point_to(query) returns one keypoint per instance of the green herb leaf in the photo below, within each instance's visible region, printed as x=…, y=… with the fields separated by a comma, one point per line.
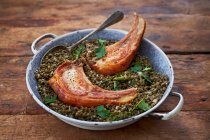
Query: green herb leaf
x=143, y=105
x=116, y=85
x=147, y=78
x=50, y=99
x=121, y=78
x=101, y=42
x=103, y=112
x=78, y=51
x=136, y=68
x=101, y=51
x=147, y=69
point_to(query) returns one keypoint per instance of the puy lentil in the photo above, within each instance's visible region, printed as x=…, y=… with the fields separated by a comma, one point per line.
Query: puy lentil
x=151, y=93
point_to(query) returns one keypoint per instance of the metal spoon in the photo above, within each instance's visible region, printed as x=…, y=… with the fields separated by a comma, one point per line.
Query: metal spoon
x=114, y=18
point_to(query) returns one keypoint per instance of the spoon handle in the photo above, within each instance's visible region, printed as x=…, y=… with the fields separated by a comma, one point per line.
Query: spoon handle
x=114, y=18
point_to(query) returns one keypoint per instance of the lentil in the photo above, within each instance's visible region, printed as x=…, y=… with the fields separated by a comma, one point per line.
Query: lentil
x=150, y=92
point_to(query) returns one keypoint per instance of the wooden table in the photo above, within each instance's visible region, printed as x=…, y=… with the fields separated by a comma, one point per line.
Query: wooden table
x=181, y=28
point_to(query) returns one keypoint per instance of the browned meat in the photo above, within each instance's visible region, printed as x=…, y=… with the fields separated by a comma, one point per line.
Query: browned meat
x=120, y=54
x=73, y=87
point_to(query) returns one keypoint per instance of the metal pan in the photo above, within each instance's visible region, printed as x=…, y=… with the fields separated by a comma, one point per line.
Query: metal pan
x=158, y=59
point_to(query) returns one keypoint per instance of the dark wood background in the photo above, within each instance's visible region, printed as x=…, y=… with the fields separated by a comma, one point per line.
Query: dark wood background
x=180, y=27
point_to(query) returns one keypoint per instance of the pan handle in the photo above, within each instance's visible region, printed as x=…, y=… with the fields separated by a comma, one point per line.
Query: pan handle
x=172, y=113
x=33, y=45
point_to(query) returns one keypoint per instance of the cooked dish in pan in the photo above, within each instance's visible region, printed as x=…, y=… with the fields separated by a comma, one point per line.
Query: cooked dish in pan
x=101, y=80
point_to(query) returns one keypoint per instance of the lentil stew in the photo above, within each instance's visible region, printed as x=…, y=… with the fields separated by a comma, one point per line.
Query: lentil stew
x=140, y=75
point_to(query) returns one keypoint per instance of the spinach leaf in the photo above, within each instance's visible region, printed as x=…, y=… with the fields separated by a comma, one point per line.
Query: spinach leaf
x=103, y=112
x=50, y=99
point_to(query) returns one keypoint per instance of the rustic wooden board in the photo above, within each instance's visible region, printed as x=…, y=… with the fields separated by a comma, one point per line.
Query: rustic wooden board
x=182, y=33
x=179, y=26
x=186, y=125
x=102, y=6
x=191, y=76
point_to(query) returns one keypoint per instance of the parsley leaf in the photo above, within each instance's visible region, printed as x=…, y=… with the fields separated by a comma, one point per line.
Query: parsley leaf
x=143, y=105
x=147, y=78
x=103, y=112
x=139, y=69
x=147, y=69
x=101, y=42
x=78, y=51
x=136, y=68
x=101, y=51
x=50, y=99
x=116, y=85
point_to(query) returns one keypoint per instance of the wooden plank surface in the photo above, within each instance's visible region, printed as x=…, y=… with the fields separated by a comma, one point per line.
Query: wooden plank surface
x=186, y=125
x=181, y=28
x=177, y=26
x=191, y=76
x=189, y=36
x=93, y=7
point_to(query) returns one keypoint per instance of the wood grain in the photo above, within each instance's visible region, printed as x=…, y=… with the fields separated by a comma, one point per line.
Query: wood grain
x=178, y=26
x=191, y=76
x=186, y=125
x=181, y=28
x=10, y=7
x=181, y=33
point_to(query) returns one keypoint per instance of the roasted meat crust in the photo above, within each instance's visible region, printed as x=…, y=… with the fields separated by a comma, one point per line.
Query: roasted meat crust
x=120, y=54
x=73, y=87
